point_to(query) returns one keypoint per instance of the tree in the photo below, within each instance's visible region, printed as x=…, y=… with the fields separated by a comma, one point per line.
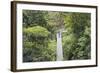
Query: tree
x=33, y=18
x=39, y=35
x=77, y=43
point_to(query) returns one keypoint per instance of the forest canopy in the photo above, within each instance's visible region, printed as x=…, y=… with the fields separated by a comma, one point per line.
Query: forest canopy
x=39, y=35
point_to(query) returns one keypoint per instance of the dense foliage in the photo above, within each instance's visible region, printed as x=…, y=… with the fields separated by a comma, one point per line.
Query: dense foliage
x=39, y=35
